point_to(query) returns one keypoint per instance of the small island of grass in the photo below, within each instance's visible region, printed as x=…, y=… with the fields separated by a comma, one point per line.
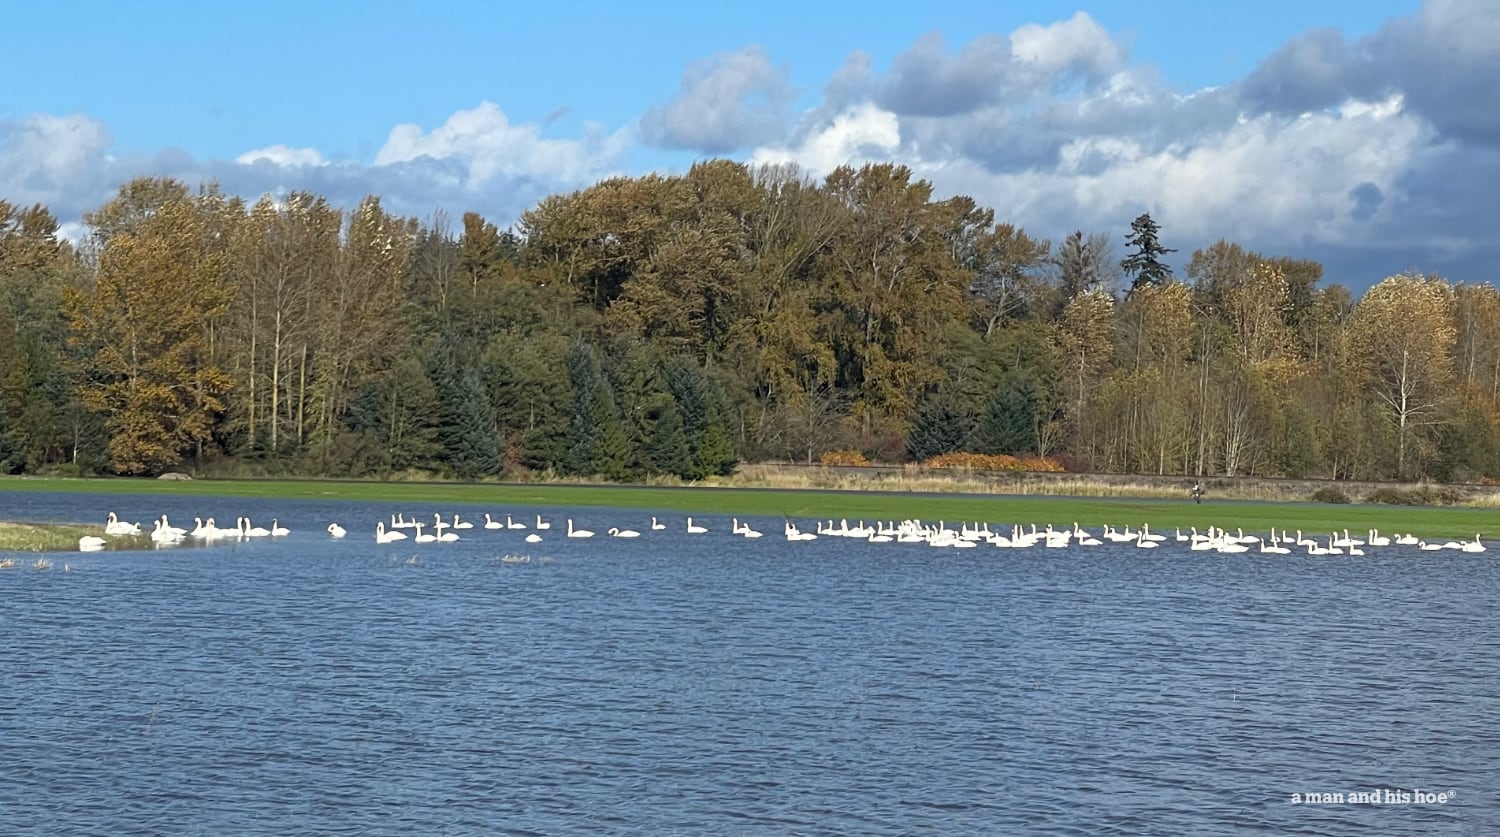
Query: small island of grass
x=44, y=537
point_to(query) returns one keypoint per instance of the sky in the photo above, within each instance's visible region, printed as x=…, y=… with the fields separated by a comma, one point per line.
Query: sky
x=1363, y=135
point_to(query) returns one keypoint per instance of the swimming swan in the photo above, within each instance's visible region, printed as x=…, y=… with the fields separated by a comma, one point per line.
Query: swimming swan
x=382, y=536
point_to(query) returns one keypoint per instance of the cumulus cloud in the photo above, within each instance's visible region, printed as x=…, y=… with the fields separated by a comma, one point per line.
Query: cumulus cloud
x=485, y=145
x=730, y=101
x=997, y=69
x=477, y=160
x=1349, y=151
x=46, y=159
x=281, y=155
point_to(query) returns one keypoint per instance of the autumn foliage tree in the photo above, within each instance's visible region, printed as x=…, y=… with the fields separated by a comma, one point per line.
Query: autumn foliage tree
x=146, y=328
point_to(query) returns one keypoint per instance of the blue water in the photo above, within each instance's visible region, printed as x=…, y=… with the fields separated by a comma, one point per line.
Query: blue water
x=689, y=684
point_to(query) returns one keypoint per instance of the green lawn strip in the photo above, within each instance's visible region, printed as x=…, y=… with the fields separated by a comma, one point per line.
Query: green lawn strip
x=1162, y=515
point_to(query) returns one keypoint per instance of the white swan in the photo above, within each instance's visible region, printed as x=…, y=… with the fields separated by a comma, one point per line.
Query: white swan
x=248, y=531
x=116, y=526
x=446, y=537
x=542, y=524
x=421, y=538
x=533, y=538
x=695, y=530
x=337, y=531
x=617, y=532
x=382, y=536
x=91, y=543
x=277, y=530
x=164, y=534
x=513, y=524
x=175, y=530
x=578, y=533
x=1472, y=546
x=461, y=524
x=491, y=523
x=656, y=524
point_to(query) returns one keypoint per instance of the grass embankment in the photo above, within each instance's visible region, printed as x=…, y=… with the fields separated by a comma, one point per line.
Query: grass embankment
x=43, y=537
x=1160, y=513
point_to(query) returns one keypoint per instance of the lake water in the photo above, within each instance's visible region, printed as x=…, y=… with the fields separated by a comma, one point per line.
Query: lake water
x=688, y=684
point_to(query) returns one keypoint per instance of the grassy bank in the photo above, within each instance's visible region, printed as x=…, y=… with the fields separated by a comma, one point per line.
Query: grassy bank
x=1161, y=513
x=43, y=537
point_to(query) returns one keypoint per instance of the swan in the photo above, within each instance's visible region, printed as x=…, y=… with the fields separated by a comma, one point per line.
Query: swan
x=175, y=530
x=399, y=521
x=1273, y=548
x=461, y=524
x=513, y=524
x=198, y=530
x=421, y=538
x=211, y=531
x=91, y=543
x=617, y=532
x=794, y=534
x=739, y=528
x=337, y=531
x=1144, y=541
x=1472, y=546
x=446, y=537
x=533, y=538
x=164, y=534
x=542, y=524
x=116, y=526
x=656, y=524
x=277, y=530
x=695, y=530
x=248, y=531
x=382, y=536
x=578, y=533
x=491, y=523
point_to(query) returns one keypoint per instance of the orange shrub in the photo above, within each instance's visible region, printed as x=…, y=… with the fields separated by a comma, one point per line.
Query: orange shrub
x=994, y=462
x=844, y=457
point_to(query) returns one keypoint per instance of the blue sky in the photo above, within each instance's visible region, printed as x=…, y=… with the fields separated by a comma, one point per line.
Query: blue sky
x=1358, y=134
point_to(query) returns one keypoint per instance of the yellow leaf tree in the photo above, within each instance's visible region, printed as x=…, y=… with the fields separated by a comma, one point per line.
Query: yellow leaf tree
x=1402, y=342
x=145, y=330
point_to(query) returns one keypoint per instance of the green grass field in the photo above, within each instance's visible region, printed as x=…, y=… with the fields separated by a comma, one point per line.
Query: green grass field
x=1163, y=515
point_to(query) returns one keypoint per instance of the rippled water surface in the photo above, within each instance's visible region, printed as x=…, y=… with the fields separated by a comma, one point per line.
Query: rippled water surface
x=681, y=683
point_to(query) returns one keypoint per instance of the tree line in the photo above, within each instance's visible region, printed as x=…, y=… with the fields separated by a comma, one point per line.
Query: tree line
x=678, y=325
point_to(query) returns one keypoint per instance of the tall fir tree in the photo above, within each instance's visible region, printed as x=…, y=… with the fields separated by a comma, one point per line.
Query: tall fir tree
x=940, y=427
x=1145, y=266
x=667, y=451
x=1007, y=425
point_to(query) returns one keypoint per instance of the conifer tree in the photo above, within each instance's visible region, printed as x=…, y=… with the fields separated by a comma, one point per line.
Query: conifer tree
x=1145, y=265
x=668, y=453
x=939, y=428
x=1007, y=425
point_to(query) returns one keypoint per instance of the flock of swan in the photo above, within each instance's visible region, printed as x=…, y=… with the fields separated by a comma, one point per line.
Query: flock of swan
x=399, y=523
x=163, y=533
x=1214, y=539
x=967, y=536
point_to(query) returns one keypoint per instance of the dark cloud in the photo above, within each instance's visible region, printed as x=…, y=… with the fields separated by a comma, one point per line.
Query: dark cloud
x=992, y=69
x=1443, y=61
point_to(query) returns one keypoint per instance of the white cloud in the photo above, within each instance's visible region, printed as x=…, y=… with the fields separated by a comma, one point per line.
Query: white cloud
x=861, y=134
x=487, y=146
x=730, y=101
x=281, y=155
x=49, y=159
